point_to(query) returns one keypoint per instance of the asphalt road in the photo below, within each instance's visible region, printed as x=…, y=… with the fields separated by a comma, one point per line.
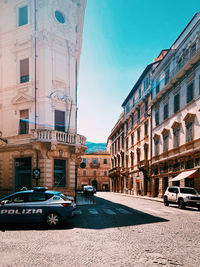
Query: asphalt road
x=115, y=231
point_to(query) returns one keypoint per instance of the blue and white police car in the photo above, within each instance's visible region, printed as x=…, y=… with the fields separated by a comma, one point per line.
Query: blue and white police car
x=37, y=205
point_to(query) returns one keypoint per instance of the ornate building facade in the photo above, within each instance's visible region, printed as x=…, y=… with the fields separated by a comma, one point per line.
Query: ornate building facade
x=96, y=171
x=175, y=114
x=157, y=136
x=40, y=49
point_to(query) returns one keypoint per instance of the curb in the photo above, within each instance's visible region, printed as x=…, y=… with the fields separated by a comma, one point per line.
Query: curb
x=140, y=197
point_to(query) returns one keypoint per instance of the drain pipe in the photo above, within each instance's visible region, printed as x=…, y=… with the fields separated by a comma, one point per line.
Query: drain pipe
x=35, y=32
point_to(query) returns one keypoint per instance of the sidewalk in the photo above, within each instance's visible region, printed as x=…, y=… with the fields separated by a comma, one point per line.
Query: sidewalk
x=141, y=197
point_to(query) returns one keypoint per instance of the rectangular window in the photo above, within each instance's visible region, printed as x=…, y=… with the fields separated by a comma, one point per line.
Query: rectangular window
x=132, y=159
x=24, y=122
x=190, y=92
x=166, y=111
x=146, y=128
x=24, y=70
x=105, y=161
x=176, y=102
x=138, y=134
x=105, y=173
x=127, y=143
x=132, y=119
x=146, y=153
x=138, y=113
x=156, y=143
x=166, y=77
x=176, y=137
x=59, y=172
x=23, y=16
x=138, y=155
x=157, y=87
x=127, y=108
x=165, y=143
x=133, y=101
x=189, y=131
x=139, y=93
x=132, y=139
x=84, y=173
x=146, y=105
x=59, y=120
x=157, y=117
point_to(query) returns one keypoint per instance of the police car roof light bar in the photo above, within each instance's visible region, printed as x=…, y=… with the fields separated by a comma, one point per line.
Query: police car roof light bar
x=41, y=189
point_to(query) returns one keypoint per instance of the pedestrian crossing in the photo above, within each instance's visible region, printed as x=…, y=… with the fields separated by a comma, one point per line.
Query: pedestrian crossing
x=117, y=211
x=108, y=211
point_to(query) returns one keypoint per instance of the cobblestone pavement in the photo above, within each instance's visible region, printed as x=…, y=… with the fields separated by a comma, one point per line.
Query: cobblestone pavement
x=115, y=231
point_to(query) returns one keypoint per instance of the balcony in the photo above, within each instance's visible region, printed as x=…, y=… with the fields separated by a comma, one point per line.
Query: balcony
x=44, y=135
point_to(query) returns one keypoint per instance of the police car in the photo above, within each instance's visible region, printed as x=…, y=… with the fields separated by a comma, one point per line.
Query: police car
x=37, y=205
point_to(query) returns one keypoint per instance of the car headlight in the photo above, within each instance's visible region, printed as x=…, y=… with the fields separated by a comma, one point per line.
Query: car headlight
x=188, y=197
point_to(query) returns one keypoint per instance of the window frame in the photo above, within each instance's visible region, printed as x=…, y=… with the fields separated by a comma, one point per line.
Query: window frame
x=18, y=15
x=190, y=93
x=176, y=105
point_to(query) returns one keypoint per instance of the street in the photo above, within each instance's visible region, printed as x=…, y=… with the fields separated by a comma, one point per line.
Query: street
x=116, y=230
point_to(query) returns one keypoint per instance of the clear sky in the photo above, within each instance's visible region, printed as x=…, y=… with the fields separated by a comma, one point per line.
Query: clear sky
x=121, y=37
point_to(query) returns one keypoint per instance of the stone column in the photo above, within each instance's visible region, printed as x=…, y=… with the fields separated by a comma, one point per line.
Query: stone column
x=161, y=187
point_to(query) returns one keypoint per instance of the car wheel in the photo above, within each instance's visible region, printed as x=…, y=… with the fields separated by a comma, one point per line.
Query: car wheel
x=181, y=204
x=166, y=203
x=52, y=219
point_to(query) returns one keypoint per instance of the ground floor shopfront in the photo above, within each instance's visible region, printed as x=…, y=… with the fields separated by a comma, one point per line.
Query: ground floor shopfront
x=129, y=181
x=139, y=183
x=50, y=164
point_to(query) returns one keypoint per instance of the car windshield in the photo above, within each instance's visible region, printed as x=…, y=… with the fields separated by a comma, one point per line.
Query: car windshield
x=88, y=187
x=190, y=191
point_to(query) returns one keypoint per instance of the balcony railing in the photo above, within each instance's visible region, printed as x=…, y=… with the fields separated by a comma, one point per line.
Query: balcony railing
x=44, y=135
x=181, y=67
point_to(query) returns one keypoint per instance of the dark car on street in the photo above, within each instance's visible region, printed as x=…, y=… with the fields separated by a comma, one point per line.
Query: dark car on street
x=88, y=190
x=35, y=206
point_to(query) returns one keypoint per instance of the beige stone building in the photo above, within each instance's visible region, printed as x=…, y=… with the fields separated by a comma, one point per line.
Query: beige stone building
x=129, y=141
x=96, y=171
x=40, y=49
x=156, y=141
x=175, y=114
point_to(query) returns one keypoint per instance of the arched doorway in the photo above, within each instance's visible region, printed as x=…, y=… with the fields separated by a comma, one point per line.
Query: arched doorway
x=95, y=184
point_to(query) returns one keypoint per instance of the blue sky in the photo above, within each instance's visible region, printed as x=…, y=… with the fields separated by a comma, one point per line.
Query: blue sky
x=121, y=37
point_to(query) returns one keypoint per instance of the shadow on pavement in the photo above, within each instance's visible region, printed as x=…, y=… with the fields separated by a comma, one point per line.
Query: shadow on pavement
x=100, y=219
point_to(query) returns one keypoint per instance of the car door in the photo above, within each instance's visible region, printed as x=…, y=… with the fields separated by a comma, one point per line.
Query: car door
x=36, y=206
x=173, y=194
x=12, y=208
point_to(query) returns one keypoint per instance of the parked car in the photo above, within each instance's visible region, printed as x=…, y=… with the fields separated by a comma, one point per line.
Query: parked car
x=183, y=196
x=88, y=190
x=37, y=205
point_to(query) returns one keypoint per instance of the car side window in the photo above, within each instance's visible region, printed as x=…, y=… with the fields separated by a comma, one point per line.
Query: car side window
x=171, y=189
x=18, y=198
x=35, y=197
